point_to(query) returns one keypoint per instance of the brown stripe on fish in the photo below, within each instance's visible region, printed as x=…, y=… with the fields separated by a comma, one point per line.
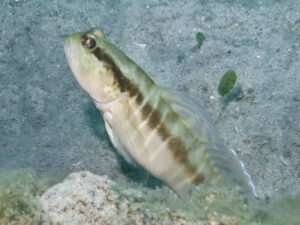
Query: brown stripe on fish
x=199, y=179
x=161, y=115
x=155, y=119
x=146, y=111
x=133, y=90
x=163, y=132
x=124, y=83
x=180, y=154
x=154, y=116
x=139, y=98
x=151, y=114
x=176, y=145
x=178, y=150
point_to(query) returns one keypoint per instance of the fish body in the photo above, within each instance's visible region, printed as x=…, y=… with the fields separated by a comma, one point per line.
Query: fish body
x=160, y=129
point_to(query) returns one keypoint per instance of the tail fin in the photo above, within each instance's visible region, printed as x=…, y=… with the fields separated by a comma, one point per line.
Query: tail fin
x=231, y=168
x=247, y=174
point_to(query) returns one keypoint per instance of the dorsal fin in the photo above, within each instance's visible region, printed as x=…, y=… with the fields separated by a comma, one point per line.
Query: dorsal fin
x=232, y=170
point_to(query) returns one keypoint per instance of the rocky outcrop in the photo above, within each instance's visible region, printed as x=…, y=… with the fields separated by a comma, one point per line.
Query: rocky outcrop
x=84, y=198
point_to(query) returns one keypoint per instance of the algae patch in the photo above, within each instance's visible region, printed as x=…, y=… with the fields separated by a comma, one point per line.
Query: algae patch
x=200, y=39
x=232, y=208
x=227, y=82
x=215, y=205
x=19, y=192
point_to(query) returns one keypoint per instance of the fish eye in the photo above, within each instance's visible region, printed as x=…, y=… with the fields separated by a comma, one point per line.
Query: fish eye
x=88, y=41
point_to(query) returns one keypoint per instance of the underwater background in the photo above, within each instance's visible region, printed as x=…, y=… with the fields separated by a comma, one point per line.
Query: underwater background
x=49, y=127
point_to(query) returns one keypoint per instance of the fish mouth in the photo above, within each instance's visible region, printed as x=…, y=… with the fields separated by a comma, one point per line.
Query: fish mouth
x=69, y=54
x=73, y=43
x=67, y=50
x=73, y=50
x=69, y=46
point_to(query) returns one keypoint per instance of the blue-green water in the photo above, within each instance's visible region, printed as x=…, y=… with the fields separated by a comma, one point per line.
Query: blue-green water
x=51, y=127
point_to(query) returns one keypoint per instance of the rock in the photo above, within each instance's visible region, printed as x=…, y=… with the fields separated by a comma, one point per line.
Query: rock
x=87, y=199
x=84, y=198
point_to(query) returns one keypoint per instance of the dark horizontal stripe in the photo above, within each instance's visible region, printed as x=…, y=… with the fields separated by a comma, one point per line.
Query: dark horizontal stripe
x=139, y=98
x=180, y=154
x=133, y=91
x=199, y=179
x=155, y=119
x=124, y=83
x=177, y=147
x=146, y=110
x=163, y=132
x=178, y=150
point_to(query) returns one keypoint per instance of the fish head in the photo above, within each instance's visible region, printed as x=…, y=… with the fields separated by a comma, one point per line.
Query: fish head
x=91, y=67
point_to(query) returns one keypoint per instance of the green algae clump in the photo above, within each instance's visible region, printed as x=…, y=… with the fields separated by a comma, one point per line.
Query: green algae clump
x=227, y=82
x=19, y=192
x=200, y=38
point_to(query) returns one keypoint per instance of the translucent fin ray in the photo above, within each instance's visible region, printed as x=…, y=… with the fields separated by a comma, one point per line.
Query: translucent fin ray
x=229, y=166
